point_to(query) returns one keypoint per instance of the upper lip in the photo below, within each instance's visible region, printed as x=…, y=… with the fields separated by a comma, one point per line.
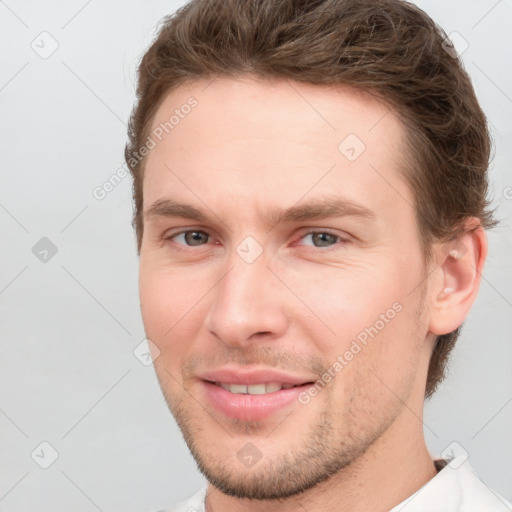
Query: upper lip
x=250, y=376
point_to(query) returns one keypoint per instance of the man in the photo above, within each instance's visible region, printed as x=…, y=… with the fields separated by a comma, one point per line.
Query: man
x=310, y=205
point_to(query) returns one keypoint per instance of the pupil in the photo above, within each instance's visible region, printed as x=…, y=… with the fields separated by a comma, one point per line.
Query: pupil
x=194, y=237
x=323, y=238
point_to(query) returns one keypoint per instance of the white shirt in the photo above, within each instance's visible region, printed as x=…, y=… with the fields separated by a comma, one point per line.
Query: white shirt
x=455, y=488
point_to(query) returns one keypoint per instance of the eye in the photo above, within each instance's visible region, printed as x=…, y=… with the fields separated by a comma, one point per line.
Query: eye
x=321, y=239
x=316, y=238
x=190, y=238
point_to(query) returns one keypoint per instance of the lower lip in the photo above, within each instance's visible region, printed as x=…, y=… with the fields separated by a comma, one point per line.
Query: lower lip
x=251, y=407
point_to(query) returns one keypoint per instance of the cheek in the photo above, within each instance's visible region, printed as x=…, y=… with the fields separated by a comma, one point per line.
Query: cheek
x=375, y=376
x=170, y=303
x=347, y=300
x=374, y=333
x=167, y=313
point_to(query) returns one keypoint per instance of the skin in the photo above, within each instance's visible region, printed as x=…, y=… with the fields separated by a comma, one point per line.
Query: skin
x=250, y=146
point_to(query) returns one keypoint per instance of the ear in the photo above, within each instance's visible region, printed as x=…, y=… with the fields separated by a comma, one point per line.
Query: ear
x=461, y=262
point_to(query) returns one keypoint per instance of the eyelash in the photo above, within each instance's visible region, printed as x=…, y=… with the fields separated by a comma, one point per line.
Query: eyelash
x=341, y=240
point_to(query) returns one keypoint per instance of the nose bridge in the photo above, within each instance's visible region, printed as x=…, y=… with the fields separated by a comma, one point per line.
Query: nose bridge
x=246, y=301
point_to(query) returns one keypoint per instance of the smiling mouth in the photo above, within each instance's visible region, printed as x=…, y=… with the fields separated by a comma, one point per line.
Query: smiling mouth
x=252, y=400
x=257, y=389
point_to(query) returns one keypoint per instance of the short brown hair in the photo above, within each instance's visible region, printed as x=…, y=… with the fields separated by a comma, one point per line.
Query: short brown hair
x=389, y=48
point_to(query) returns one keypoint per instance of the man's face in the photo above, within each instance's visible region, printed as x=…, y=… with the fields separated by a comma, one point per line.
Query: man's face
x=266, y=291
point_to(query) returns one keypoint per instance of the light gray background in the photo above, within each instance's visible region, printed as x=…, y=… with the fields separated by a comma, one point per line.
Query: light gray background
x=69, y=326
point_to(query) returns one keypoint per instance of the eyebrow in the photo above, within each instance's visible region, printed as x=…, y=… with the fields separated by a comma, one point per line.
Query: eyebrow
x=317, y=209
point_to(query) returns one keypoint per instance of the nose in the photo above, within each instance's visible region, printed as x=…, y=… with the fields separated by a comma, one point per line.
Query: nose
x=247, y=304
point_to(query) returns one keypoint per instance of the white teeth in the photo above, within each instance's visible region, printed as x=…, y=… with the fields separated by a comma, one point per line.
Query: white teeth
x=237, y=388
x=254, y=389
x=273, y=386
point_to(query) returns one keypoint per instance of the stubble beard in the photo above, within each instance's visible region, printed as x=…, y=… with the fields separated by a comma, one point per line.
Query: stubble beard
x=324, y=451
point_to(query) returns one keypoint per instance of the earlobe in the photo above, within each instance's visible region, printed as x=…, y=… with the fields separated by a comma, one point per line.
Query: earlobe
x=461, y=262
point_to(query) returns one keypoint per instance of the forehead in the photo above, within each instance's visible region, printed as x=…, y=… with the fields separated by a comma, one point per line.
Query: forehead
x=276, y=141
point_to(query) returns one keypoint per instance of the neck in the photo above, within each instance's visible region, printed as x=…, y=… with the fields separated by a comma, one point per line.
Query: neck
x=392, y=469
